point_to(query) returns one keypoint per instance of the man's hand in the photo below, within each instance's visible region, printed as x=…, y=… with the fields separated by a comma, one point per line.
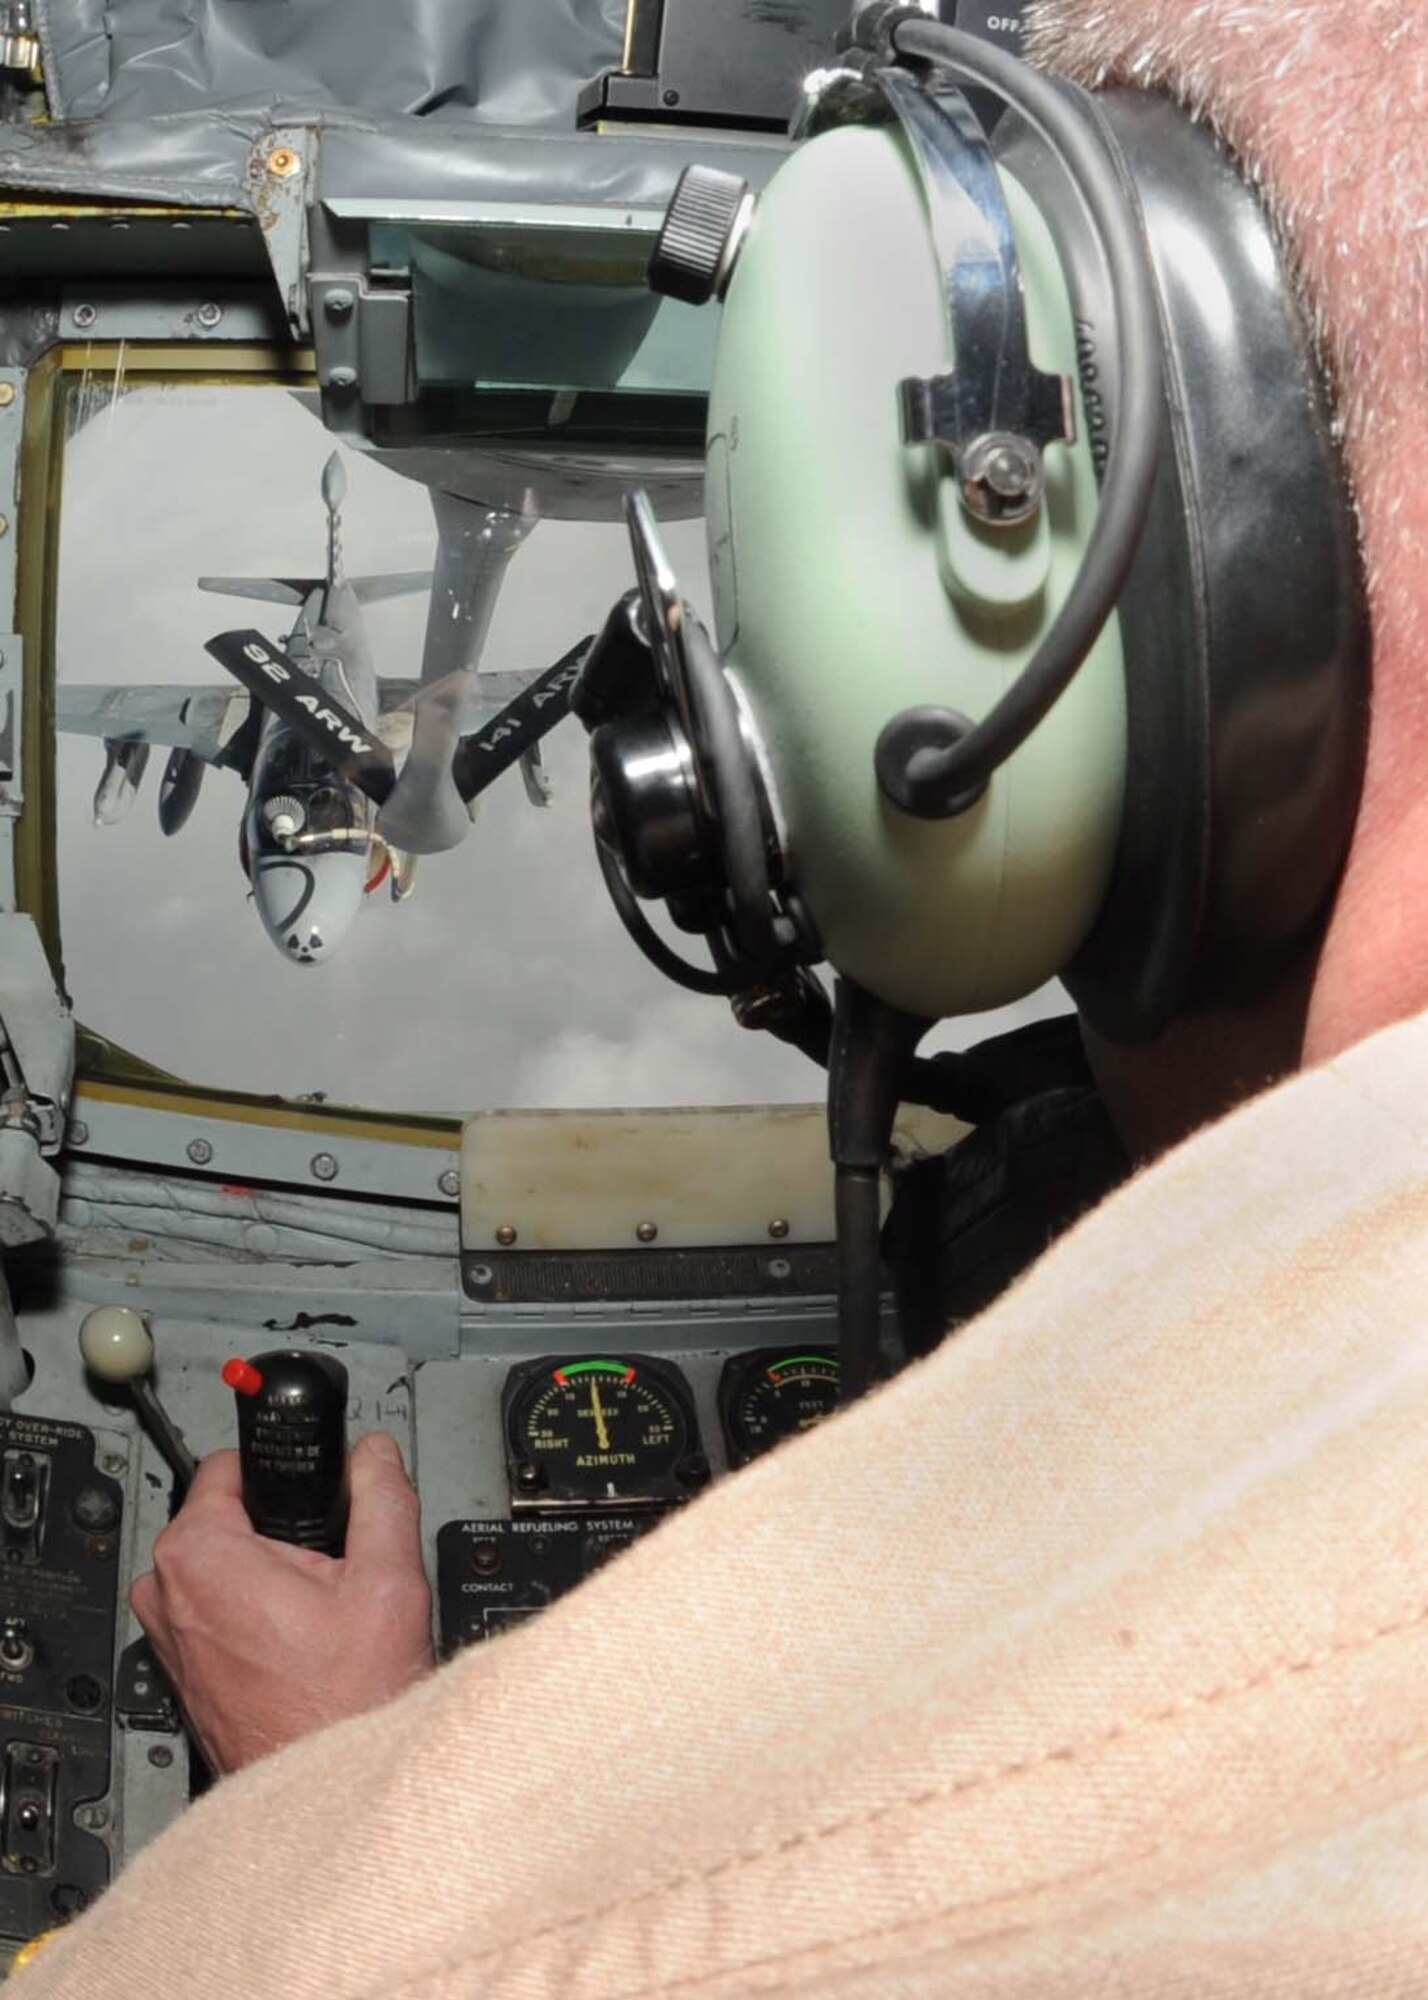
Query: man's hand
x=265, y=1642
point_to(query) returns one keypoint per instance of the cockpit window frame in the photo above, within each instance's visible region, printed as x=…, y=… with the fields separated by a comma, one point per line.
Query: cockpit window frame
x=107, y=1074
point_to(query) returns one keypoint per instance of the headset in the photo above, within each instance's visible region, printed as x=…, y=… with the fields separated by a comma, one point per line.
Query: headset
x=1040, y=632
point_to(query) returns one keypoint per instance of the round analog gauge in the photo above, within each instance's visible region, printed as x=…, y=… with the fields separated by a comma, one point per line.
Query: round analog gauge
x=774, y=1394
x=602, y=1431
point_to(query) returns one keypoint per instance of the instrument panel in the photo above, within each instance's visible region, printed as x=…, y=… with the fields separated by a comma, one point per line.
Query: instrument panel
x=601, y=1431
x=599, y=1448
x=61, y=1521
x=93, y=1758
x=773, y=1394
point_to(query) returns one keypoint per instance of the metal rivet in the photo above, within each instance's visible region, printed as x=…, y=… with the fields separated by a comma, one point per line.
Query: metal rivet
x=506, y=1234
x=342, y=378
x=78, y=1134
x=7, y=395
x=450, y=1182
x=209, y=313
x=324, y=1167
x=671, y=97
x=113, y=1463
x=481, y=1274
x=780, y=1268
x=338, y=304
x=161, y=1756
x=646, y=1231
x=778, y=1229
x=92, y=1817
x=200, y=1152
x=85, y=315
x=283, y=162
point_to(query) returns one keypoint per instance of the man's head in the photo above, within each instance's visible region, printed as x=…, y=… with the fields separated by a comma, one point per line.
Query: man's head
x=1322, y=103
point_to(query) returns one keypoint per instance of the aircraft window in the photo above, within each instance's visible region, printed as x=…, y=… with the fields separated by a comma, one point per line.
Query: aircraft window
x=494, y=974
x=550, y=309
x=503, y=978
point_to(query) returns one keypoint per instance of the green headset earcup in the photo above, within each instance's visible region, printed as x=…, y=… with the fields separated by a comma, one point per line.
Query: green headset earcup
x=849, y=586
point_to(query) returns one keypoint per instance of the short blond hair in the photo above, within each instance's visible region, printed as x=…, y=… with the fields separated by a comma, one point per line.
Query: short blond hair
x=1324, y=104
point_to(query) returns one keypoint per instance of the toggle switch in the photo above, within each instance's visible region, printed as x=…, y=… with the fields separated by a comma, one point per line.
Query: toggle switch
x=27, y=1817
x=117, y=1347
x=24, y=1491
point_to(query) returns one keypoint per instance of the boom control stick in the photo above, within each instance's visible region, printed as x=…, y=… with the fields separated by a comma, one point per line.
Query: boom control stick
x=292, y=1445
x=117, y=1347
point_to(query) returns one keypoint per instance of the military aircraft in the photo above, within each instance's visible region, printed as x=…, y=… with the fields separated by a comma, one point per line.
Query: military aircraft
x=313, y=731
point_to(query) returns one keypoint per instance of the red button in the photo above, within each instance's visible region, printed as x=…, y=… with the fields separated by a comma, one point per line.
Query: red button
x=242, y=1376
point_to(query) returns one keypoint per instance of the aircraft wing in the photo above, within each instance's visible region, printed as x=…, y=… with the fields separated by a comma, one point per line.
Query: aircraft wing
x=394, y=583
x=203, y=720
x=267, y=589
x=297, y=589
x=485, y=696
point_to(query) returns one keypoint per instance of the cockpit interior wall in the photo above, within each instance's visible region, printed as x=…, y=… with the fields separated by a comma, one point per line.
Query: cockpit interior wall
x=171, y=101
x=520, y=64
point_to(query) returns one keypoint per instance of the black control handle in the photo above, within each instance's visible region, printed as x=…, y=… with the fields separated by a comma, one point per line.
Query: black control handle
x=292, y=1446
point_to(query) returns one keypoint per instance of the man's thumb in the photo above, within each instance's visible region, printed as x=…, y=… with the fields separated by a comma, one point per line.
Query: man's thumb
x=385, y=1523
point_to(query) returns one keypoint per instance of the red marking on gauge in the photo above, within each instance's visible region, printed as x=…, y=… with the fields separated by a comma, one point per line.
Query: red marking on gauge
x=561, y=1377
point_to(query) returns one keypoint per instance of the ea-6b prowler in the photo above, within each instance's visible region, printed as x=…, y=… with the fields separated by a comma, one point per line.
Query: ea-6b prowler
x=314, y=736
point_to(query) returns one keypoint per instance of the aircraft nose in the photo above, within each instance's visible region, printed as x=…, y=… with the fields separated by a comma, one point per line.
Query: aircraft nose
x=307, y=907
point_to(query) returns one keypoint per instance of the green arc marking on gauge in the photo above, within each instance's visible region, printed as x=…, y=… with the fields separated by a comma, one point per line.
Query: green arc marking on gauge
x=596, y=1368
x=777, y=1368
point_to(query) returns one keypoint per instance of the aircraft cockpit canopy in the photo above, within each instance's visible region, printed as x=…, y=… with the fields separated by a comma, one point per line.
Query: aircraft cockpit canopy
x=301, y=809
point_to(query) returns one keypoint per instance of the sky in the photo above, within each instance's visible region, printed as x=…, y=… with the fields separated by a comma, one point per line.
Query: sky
x=506, y=980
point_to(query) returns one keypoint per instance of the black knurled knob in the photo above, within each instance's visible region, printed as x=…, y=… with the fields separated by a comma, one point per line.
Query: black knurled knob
x=694, y=249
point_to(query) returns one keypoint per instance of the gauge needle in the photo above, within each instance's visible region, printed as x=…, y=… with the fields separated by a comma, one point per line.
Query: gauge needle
x=600, y=1429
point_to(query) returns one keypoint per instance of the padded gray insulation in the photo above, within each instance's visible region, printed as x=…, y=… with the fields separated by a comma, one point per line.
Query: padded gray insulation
x=165, y=100
x=515, y=62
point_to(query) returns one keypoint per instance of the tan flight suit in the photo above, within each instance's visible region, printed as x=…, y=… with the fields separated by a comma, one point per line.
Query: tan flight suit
x=1088, y=1658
